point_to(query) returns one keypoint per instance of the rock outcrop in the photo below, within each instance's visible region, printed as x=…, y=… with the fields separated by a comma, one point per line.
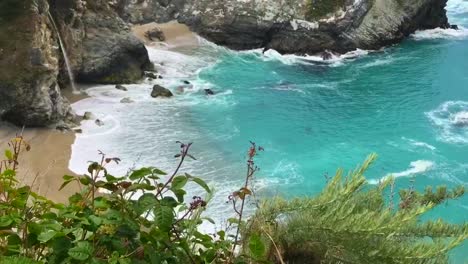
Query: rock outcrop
x=311, y=26
x=29, y=64
x=295, y=26
x=101, y=47
x=147, y=11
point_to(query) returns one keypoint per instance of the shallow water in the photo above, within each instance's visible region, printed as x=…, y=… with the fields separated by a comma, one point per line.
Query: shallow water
x=404, y=103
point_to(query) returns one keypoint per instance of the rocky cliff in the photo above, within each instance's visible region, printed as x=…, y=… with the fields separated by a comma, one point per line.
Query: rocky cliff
x=29, y=65
x=297, y=26
x=100, y=45
x=311, y=26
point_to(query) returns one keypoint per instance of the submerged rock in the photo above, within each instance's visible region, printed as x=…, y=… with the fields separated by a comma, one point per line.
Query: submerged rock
x=121, y=87
x=127, y=100
x=159, y=91
x=99, y=122
x=460, y=119
x=209, y=92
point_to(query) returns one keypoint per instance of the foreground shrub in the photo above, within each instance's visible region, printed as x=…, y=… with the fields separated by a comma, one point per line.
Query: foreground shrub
x=146, y=217
x=350, y=222
x=143, y=217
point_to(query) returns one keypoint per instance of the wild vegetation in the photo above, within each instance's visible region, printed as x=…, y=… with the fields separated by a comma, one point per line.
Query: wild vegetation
x=146, y=217
x=317, y=9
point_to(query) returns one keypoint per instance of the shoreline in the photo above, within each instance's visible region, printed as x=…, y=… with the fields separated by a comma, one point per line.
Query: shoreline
x=44, y=166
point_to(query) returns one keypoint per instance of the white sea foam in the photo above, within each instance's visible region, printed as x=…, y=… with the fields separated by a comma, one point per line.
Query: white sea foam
x=457, y=12
x=416, y=167
x=290, y=59
x=449, y=119
x=420, y=144
x=439, y=33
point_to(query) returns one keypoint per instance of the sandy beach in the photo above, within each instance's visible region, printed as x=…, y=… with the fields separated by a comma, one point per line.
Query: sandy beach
x=47, y=161
x=176, y=34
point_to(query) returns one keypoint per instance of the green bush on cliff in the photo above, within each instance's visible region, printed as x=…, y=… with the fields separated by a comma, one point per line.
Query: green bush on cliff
x=317, y=9
x=145, y=217
x=349, y=222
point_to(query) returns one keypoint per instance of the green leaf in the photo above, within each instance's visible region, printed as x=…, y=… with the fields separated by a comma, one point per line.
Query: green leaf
x=85, y=180
x=179, y=182
x=256, y=246
x=68, y=177
x=138, y=174
x=5, y=221
x=47, y=235
x=146, y=202
x=8, y=154
x=159, y=172
x=82, y=251
x=202, y=183
x=180, y=194
x=164, y=216
x=141, y=186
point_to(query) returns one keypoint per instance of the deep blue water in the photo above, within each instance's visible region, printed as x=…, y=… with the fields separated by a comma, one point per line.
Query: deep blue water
x=403, y=103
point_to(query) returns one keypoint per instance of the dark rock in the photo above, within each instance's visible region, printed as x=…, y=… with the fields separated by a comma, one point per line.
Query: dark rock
x=99, y=122
x=121, y=87
x=159, y=91
x=209, y=92
x=87, y=116
x=186, y=82
x=78, y=130
x=326, y=55
x=155, y=34
x=454, y=27
x=151, y=75
x=160, y=77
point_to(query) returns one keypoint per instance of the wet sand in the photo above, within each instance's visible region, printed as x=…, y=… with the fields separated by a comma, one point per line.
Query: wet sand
x=44, y=166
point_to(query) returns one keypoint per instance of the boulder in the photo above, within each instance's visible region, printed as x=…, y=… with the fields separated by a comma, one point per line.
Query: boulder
x=155, y=34
x=454, y=27
x=159, y=91
x=121, y=87
x=88, y=116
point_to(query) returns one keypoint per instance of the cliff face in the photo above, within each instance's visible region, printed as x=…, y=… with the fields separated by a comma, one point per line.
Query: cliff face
x=101, y=47
x=29, y=63
x=296, y=26
x=311, y=26
x=98, y=42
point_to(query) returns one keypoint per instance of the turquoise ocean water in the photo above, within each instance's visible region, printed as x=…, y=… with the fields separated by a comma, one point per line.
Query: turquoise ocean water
x=402, y=102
